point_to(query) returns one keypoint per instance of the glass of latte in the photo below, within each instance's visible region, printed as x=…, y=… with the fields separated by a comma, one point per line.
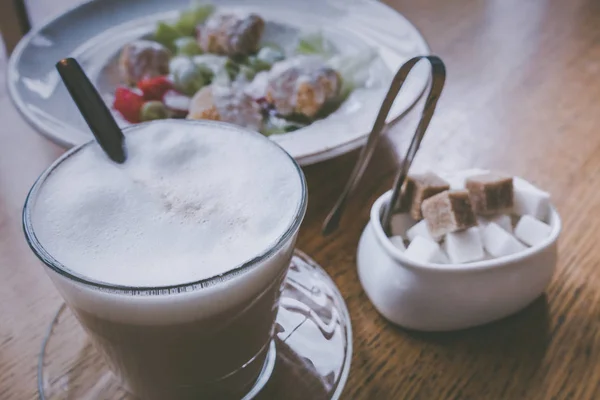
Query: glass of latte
x=173, y=261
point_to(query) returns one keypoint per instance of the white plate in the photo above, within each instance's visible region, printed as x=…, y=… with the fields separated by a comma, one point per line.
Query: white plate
x=94, y=31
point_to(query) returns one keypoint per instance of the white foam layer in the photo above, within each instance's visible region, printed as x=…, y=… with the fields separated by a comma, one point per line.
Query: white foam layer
x=192, y=201
x=172, y=307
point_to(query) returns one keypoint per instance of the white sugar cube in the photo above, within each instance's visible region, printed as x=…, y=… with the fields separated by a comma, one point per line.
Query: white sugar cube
x=529, y=200
x=502, y=220
x=398, y=241
x=498, y=242
x=401, y=223
x=425, y=250
x=464, y=246
x=421, y=229
x=532, y=231
x=457, y=180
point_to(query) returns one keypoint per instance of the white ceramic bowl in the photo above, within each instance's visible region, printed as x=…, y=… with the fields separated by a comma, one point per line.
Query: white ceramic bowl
x=442, y=297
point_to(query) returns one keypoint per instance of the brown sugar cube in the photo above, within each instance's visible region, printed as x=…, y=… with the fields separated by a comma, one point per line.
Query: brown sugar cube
x=447, y=212
x=418, y=188
x=490, y=193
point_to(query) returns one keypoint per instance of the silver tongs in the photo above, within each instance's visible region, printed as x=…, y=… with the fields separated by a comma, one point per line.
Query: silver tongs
x=438, y=78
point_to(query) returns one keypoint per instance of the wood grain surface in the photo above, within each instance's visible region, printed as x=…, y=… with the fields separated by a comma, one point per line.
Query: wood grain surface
x=522, y=95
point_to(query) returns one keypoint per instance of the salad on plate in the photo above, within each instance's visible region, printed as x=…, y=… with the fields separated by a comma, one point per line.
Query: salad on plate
x=218, y=65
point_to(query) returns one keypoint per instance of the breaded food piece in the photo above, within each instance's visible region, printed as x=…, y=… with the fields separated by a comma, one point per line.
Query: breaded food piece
x=143, y=59
x=227, y=104
x=302, y=85
x=202, y=105
x=230, y=34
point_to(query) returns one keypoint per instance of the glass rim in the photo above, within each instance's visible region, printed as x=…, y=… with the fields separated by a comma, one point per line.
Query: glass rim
x=48, y=260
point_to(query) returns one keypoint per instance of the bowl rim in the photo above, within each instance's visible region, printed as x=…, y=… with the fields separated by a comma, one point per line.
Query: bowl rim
x=504, y=261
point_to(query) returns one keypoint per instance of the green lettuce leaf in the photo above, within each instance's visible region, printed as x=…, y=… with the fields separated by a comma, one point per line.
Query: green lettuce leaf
x=315, y=43
x=190, y=19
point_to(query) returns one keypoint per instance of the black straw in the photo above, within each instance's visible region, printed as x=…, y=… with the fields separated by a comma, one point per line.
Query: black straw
x=93, y=109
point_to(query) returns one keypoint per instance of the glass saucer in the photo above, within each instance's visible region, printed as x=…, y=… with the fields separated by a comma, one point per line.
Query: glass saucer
x=309, y=358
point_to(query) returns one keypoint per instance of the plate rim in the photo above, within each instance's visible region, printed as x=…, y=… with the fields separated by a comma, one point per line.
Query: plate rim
x=304, y=160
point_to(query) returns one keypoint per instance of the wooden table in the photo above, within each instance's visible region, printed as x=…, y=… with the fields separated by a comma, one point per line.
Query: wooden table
x=523, y=96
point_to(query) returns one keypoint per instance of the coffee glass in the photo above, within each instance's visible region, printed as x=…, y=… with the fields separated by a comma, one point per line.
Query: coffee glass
x=204, y=339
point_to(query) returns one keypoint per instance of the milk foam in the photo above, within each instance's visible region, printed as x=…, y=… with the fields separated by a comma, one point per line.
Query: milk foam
x=192, y=201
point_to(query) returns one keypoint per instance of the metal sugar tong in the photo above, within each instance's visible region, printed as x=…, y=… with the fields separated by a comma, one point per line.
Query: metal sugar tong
x=438, y=78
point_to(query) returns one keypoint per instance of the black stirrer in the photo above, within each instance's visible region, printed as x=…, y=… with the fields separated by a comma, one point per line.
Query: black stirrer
x=93, y=109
